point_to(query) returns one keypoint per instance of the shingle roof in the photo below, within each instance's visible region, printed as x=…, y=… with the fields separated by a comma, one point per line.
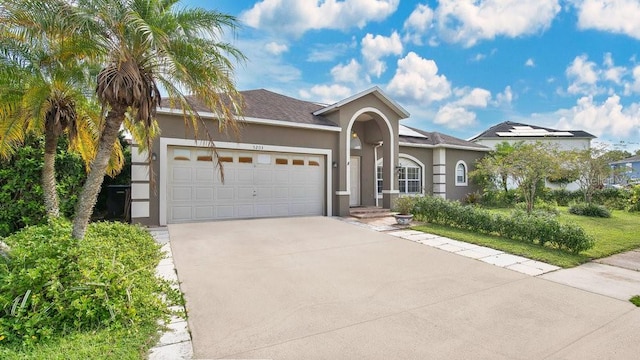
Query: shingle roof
x=518, y=130
x=264, y=104
x=439, y=139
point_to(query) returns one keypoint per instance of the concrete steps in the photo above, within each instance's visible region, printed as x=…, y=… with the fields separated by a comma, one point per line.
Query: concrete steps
x=370, y=212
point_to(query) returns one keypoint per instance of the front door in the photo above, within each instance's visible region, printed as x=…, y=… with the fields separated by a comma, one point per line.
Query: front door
x=354, y=173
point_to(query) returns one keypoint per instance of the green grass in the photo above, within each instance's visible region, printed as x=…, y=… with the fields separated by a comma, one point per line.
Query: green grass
x=619, y=233
x=635, y=300
x=101, y=344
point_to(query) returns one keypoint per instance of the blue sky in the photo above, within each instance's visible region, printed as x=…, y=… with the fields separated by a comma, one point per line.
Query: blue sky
x=458, y=66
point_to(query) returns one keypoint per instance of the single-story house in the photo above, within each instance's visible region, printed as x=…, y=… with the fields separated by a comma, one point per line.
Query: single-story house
x=295, y=158
x=626, y=170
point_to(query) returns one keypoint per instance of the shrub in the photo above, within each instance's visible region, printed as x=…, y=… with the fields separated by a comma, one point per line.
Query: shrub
x=473, y=198
x=21, y=202
x=52, y=284
x=538, y=228
x=404, y=205
x=593, y=210
x=634, y=199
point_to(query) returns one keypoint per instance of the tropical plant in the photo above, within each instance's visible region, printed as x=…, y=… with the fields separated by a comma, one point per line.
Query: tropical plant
x=154, y=44
x=45, y=72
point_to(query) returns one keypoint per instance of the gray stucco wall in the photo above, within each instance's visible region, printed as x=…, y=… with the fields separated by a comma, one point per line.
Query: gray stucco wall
x=469, y=157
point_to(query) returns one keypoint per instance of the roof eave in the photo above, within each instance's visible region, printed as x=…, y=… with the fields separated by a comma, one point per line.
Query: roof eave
x=375, y=91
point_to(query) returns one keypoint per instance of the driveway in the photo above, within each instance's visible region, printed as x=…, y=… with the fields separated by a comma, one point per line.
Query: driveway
x=320, y=288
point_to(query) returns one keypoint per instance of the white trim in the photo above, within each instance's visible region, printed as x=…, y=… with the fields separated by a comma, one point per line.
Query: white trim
x=348, y=137
x=445, y=146
x=466, y=173
x=139, y=172
x=166, y=142
x=375, y=91
x=252, y=120
x=343, y=193
x=415, y=160
x=138, y=156
x=391, y=191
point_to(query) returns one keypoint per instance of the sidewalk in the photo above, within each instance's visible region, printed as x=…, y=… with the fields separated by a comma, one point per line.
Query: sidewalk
x=617, y=276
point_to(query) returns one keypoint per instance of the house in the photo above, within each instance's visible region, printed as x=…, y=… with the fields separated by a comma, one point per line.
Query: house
x=627, y=171
x=295, y=158
x=513, y=132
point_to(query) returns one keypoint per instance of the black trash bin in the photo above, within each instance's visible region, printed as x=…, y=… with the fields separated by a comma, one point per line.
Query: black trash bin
x=118, y=199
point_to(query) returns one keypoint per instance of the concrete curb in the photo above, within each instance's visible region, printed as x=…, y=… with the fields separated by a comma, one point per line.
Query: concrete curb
x=175, y=342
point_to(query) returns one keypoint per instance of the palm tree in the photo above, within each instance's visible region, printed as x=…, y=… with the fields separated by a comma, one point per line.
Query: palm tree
x=45, y=78
x=153, y=45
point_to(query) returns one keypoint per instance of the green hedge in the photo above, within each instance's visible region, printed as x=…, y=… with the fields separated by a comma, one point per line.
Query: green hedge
x=537, y=228
x=593, y=210
x=52, y=284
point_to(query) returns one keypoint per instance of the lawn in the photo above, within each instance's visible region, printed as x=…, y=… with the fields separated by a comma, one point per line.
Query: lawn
x=613, y=235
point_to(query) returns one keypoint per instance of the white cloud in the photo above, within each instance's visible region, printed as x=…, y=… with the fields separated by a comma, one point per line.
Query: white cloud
x=417, y=80
x=376, y=47
x=611, y=72
x=634, y=85
x=616, y=16
x=505, y=97
x=349, y=73
x=530, y=63
x=583, y=75
x=608, y=118
x=418, y=24
x=476, y=97
x=467, y=21
x=295, y=17
x=327, y=94
x=330, y=51
x=276, y=48
x=454, y=117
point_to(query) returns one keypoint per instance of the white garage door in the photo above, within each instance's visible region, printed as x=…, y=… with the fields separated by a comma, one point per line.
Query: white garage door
x=256, y=184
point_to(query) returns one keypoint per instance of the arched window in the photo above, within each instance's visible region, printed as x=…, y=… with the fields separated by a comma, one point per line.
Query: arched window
x=461, y=173
x=410, y=175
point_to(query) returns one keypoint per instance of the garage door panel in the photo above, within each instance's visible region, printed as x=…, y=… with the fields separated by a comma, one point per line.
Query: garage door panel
x=243, y=176
x=181, y=193
x=224, y=193
x=205, y=175
x=181, y=213
x=257, y=184
x=245, y=211
x=245, y=193
x=203, y=212
x=181, y=174
x=204, y=193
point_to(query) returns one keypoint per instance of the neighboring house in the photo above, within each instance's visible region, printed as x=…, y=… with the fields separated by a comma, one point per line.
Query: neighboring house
x=295, y=158
x=626, y=170
x=513, y=132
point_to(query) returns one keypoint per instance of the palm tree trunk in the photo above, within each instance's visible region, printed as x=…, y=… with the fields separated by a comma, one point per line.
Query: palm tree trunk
x=49, y=191
x=91, y=187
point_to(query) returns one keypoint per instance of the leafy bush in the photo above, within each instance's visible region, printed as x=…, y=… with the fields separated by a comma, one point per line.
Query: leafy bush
x=534, y=228
x=500, y=197
x=21, y=202
x=563, y=197
x=540, y=206
x=473, y=198
x=404, y=205
x=634, y=199
x=52, y=284
x=593, y=210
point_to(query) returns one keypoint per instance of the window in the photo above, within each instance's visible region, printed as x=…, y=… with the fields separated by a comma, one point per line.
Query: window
x=409, y=175
x=461, y=173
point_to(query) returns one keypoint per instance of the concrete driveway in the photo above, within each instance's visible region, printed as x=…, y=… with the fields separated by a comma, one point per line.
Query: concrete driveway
x=319, y=288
